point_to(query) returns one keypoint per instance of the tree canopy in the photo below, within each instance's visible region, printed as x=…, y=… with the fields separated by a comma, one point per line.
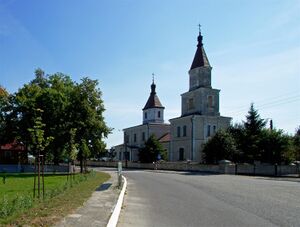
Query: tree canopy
x=70, y=113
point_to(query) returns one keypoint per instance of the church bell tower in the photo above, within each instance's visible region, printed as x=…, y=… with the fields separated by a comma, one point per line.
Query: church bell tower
x=153, y=112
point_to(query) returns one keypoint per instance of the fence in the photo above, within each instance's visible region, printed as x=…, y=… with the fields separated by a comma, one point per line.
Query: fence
x=30, y=168
x=243, y=169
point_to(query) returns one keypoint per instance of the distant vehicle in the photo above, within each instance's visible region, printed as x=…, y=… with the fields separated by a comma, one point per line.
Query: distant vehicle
x=105, y=159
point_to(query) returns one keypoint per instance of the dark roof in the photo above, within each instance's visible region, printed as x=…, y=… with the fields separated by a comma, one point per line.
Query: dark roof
x=165, y=138
x=153, y=100
x=200, y=58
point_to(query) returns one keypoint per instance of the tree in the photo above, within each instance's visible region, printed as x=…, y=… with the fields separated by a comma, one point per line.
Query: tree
x=86, y=114
x=253, y=129
x=296, y=145
x=4, y=102
x=38, y=140
x=71, y=111
x=275, y=146
x=151, y=151
x=221, y=146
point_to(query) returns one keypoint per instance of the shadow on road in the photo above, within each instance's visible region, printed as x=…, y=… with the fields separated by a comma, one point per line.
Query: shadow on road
x=104, y=187
x=198, y=173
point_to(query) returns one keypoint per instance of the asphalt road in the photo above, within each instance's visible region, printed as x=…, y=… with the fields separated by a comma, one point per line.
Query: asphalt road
x=184, y=199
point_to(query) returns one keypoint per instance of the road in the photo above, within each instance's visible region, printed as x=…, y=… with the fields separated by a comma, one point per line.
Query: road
x=183, y=199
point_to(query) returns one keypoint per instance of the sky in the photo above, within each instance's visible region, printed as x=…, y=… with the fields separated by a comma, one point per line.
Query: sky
x=253, y=47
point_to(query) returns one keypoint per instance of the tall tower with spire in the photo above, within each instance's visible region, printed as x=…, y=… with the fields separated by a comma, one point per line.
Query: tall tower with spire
x=201, y=98
x=200, y=117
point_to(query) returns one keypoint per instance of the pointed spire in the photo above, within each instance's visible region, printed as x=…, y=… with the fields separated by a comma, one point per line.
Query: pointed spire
x=200, y=37
x=200, y=58
x=153, y=100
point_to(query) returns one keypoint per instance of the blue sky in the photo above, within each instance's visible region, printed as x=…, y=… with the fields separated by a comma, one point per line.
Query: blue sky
x=253, y=47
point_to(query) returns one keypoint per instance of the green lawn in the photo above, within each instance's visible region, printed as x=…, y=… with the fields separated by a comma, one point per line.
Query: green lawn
x=22, y=184
x=17, y=207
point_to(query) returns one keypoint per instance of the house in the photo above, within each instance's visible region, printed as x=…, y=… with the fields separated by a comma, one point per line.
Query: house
x=13, y=153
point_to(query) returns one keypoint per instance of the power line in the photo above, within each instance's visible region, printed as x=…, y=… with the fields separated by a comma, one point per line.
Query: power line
x=269, y=104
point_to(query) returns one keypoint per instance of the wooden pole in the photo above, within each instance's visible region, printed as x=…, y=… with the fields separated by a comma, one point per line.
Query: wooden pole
x=34, y=182
x=43, y=181
x=39, y=175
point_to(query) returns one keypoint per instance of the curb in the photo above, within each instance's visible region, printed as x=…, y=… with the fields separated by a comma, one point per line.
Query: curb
x=113, y=220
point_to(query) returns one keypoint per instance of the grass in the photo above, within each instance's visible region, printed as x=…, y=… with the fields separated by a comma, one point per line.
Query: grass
x=61, y=197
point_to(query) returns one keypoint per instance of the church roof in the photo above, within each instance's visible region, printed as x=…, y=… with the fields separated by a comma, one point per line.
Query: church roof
x=153, y=100
x=165, y=138
x=200, y=58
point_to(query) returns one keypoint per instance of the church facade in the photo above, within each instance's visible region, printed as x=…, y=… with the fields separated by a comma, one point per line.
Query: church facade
x=200, y=118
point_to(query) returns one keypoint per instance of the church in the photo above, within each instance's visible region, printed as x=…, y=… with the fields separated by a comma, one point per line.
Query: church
x=200, y=117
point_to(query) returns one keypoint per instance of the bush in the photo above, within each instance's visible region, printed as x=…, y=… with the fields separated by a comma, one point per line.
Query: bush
x=221, y=146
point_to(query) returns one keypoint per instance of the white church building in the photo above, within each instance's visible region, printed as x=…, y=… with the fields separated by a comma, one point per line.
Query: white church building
x=200, y=118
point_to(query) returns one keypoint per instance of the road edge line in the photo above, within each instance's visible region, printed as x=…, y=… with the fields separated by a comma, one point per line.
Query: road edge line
x=113, y=220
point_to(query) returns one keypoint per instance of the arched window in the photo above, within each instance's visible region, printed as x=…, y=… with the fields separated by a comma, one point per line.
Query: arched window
x=191, y=104
x=208, y=131
x=146, y=115
x=210, y=101
x=158, y=114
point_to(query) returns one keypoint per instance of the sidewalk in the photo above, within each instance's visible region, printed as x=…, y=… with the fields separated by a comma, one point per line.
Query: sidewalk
x=97, y=210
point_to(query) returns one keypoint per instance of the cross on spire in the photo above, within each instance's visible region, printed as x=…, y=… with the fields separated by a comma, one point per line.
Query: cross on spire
x=153, y=78
x=199, y=25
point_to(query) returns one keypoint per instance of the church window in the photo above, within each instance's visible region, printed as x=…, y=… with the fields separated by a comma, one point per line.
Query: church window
x=158, y=114
x=214, y=128
x=208, y=130
x=143, y=136
x=210, y=101
x=146, y=115
x=181, y=154
x=178, y=131
x=134, y=137
x=191, y=104
x=184, y=131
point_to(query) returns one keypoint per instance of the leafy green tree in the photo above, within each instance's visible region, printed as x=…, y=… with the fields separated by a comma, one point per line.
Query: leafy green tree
x=295, y=154
x=69, y=110
x=98, y=148
x=4, y=101
x=275, y=146
x=152, y=149
x=221, y=146
x=86, y=114
x=239, y=135
x=38, y=140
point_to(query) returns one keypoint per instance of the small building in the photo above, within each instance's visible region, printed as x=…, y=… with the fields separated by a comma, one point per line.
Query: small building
x=13, y=153
x=119, y=152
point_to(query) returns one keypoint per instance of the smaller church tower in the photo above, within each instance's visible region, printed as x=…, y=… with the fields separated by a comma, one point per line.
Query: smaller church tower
x=153, y=112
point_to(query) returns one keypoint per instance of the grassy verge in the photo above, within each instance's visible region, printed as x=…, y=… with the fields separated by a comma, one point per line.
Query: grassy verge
x=57, y=205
